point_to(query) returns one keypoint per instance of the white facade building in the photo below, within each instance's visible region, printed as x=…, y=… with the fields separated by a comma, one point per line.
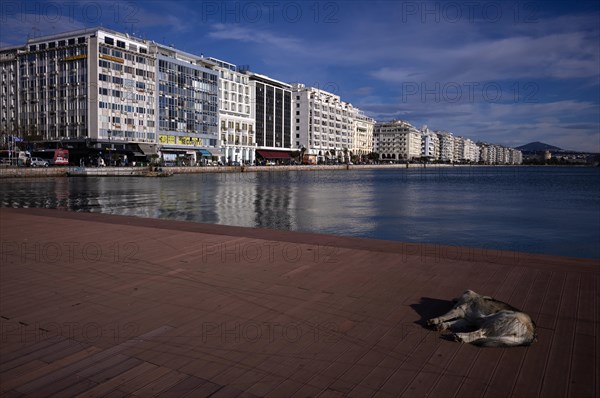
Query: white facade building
x=430, y=144
x=447, y=144
x=362, y=142
x=235, y=117
x=397, y=140
x=324, y=124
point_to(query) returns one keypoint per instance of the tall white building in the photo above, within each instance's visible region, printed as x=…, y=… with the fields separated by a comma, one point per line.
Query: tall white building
x=92, y=88
x=237, y=126
x=447, y=144
x=397, y=140
x=324, y=124
x=430, y=144
x=362, y=142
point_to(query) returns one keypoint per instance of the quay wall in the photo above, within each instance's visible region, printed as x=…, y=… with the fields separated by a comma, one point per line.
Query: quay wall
x=22, y=172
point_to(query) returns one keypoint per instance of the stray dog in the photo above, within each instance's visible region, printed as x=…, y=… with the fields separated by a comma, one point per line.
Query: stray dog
x=486, y=322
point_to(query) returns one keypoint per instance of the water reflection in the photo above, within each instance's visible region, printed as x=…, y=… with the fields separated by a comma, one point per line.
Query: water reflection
x=547, y=210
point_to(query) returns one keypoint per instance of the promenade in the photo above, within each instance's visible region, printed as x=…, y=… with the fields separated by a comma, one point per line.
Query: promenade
x=102, y=305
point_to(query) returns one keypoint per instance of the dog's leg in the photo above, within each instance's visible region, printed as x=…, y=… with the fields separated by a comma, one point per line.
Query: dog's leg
x=469, y=337
x=454, y=313
x=455, y=325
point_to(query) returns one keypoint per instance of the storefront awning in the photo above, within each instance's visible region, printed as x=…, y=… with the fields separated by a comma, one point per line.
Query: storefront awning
x=205, y=153
x=216, y=151
x=148, y=149
x=273, y=154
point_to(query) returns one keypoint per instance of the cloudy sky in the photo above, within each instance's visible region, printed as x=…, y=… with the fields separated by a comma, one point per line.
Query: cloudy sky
x=503, y=72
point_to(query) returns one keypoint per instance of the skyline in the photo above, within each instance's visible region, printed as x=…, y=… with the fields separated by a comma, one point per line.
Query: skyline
x=507, y=73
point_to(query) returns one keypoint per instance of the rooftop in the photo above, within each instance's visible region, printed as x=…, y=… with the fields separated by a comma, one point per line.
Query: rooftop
x=94, y=304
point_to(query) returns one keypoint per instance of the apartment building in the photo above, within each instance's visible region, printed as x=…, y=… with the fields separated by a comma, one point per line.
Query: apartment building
x=188, y=106
x=90, y=90
x=362, y=142
x=98, y=91
x=271, y=109
x=237, y=126
x=447, y=143
x=430, y=144
x=325, y=125
x=397, y=140
x=9, y=103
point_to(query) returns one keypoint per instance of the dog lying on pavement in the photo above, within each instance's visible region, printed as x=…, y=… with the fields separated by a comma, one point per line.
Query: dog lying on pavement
x=486, y=322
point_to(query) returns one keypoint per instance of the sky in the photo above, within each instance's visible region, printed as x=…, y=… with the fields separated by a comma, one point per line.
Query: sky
x=501, y=72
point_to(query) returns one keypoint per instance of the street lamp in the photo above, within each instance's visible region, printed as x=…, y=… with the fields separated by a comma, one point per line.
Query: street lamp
x=109, y=133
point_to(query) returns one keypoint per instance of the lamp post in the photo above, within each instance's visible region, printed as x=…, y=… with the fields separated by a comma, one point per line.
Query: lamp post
x=109, y=133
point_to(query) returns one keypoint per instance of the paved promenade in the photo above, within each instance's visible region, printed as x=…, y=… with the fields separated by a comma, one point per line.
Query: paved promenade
x=101, y=305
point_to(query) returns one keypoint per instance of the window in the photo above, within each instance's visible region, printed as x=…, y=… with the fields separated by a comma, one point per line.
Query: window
x=120, y=44
x=109, y=40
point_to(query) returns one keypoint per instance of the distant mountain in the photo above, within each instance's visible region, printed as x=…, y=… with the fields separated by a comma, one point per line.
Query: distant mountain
x=537, y=147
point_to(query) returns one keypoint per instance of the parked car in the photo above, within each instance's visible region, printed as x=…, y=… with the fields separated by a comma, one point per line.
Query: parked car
x=39, y=162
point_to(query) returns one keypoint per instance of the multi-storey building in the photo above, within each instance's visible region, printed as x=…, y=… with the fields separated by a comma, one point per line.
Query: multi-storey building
x=90, y=90
x=271, y=109
x=235, y=119
x=188, y=106
x=324, y=124
x=397, y=140
x=430, y=144
x=497, y=154
x=97, y=91
x=9, y=103
x=468, y=151
x=362, y=142
x=447, y=143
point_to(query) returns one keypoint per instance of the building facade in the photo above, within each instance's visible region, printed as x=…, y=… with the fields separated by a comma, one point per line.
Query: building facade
x=237, y=126
x=325, y=125
x=397, y=140
x=271, y=109
x=362, y=143
x=430, y=145
x=90, y=90
x=188, y=106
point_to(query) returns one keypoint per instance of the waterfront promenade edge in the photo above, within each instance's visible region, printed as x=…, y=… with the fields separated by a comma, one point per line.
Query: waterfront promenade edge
x=95, y=304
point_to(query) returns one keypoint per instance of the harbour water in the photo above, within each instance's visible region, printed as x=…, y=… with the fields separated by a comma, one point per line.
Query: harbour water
x=549, y=210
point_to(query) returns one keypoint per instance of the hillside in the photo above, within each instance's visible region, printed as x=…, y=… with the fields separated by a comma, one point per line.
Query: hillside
x=537, y=147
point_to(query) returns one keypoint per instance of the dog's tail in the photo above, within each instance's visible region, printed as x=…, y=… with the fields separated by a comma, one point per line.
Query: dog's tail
x=502, y=341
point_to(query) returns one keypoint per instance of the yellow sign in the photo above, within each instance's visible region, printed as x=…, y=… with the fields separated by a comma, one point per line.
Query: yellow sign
x=166, y=139
x=75, y=57
x=115, y=59
x=180, y=140
x=195, y=141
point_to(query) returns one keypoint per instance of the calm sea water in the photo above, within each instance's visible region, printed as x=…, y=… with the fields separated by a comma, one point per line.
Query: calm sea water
x=533, y=209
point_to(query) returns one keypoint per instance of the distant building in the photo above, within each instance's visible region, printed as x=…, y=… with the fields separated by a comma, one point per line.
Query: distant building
x=397, y=140
x=430, y=144
x=362, y=143
x=447, y=144
x=497, y=154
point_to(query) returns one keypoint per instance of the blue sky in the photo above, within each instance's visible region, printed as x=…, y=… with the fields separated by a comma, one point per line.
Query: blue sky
x=503, y=72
